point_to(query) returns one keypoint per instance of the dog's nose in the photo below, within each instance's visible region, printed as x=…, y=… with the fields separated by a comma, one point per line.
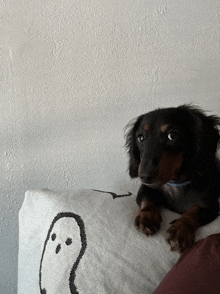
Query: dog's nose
x=147, y=178
x=148, y=170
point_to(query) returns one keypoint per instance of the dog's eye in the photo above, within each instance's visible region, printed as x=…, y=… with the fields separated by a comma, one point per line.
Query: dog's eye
x=140, y=138
x=172, y=135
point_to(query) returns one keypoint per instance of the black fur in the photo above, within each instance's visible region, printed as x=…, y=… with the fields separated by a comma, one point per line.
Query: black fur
x=175, y=146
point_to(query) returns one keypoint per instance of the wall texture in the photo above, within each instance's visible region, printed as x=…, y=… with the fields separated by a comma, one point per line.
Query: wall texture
x=73, y=73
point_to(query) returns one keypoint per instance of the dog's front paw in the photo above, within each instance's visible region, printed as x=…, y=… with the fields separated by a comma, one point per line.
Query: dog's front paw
x=148, y=221
x=181, y=235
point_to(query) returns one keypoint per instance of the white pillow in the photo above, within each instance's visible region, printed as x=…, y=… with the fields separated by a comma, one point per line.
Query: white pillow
x=85, y=242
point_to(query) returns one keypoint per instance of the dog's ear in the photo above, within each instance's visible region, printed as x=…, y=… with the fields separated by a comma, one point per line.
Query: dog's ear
x=131, y=144
x=207, y=133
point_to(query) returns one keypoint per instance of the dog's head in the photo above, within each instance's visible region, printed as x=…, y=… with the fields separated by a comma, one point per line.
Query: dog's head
x=167, y=143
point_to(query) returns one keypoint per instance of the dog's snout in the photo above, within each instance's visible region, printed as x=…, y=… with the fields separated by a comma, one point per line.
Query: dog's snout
x=148, y=171
x=147, y=178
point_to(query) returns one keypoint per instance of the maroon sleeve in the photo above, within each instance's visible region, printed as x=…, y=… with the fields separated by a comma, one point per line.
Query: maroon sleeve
x=197, y=271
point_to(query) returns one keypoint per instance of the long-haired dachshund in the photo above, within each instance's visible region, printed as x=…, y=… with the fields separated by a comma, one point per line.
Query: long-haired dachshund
x=173, y=152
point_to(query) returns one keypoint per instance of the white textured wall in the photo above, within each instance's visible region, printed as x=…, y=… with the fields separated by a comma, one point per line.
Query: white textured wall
x=73, y=73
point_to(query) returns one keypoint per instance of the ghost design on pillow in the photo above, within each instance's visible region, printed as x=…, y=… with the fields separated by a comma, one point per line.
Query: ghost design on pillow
x=65, y=243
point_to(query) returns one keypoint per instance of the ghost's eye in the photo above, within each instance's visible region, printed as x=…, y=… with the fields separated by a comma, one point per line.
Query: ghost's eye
x=140, y=138
x=68, y=241
x=53, y=237
x=173, y=135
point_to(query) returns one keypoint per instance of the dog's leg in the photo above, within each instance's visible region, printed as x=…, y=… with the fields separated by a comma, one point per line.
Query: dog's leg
x=182, y=231
x=149, y=218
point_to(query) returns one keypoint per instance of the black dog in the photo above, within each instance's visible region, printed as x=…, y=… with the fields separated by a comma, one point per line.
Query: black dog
x=173, y=152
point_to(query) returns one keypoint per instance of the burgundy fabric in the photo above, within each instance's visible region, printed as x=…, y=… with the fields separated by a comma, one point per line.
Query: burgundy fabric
x=197, y=271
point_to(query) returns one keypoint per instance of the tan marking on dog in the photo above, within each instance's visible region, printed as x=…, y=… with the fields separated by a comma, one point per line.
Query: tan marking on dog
x=148, y=218
x=184, y=228
x=146, y=127
x=192, y=214
x=169, y=166
x=164, y=128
